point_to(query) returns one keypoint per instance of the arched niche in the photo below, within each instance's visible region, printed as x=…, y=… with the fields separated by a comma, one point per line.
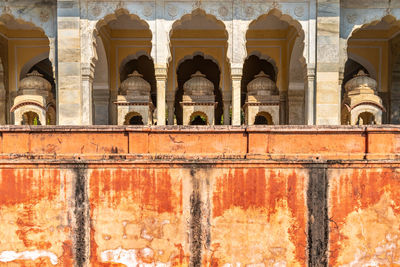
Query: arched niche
x=133, y=118
x=30, y=118
x=282, y=38
x=263, y=118
x=374, y=45
x=366, y=118
x=123, y=36
x=197, y=34
x=212, y=72
x=198, y=118
x=31, y=51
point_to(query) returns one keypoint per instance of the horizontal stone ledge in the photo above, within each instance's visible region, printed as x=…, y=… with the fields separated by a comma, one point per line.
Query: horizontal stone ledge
x=246, y=142
x=193, y=128
x=199, y=159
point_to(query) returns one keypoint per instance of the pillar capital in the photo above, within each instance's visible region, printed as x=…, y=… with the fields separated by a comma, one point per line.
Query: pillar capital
x=160, y=73
x=236, y=73
x=88, y=71
x=310, y=73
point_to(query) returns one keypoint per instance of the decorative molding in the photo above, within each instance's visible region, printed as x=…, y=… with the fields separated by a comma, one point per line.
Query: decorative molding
x=6, y=7
x=299, y=11
x=148, y=11
x=310, y=74
x=172, y=11
x=351, y=18
x=236, y=73
x=161, y=73
x=44, y=15
x=223, y=11
x=87, y=72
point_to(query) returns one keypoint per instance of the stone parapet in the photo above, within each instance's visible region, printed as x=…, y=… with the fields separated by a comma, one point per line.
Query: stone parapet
x=223, y=142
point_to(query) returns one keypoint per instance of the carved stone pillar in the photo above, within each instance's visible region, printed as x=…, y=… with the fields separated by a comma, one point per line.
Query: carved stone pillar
x=101, y=100
x=227, y=106
x=3, y=102
x=161, y=78
x=69, y=68
x=310, y=97
x=171, y=109
x=87, y=94
x=282, y=107
x=327, y=99
x=236, y=96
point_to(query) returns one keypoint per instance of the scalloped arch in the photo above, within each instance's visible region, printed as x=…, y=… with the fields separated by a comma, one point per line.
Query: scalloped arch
x=113, y=17
x=9, y=18
x=198, y=113
x=266, y=58
x=389, y=19
x=32, y=62
x=283, y=17
x=365, y=63
x=198, y=53
x=197, y=12
x=133, y=57
x=118, y=13
x=291, y=22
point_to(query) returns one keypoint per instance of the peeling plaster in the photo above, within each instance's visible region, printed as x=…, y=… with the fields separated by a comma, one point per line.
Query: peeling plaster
x=130, y=257
x=7, y=256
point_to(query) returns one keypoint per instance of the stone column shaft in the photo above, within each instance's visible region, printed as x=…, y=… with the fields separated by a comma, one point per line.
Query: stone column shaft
x=282, y=107
x=310, y=97
x=328, y=62
x=87, y=95
x=227, y=105
x=236, y=95
x=3, y=103
x=69, y=94
x=161, y=78
x=171, y=109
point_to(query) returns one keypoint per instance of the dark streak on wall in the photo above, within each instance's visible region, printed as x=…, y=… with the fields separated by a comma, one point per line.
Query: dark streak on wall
x=81, y=213
x=196, y=236
x=318, y=221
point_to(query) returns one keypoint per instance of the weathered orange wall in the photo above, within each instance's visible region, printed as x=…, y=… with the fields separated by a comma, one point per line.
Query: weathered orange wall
x=200, y=196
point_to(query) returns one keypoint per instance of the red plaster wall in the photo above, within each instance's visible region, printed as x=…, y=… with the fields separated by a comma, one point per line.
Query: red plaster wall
x=249, y=184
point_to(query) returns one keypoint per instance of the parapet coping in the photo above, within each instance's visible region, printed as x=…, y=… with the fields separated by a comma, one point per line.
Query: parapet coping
x=206, y=129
